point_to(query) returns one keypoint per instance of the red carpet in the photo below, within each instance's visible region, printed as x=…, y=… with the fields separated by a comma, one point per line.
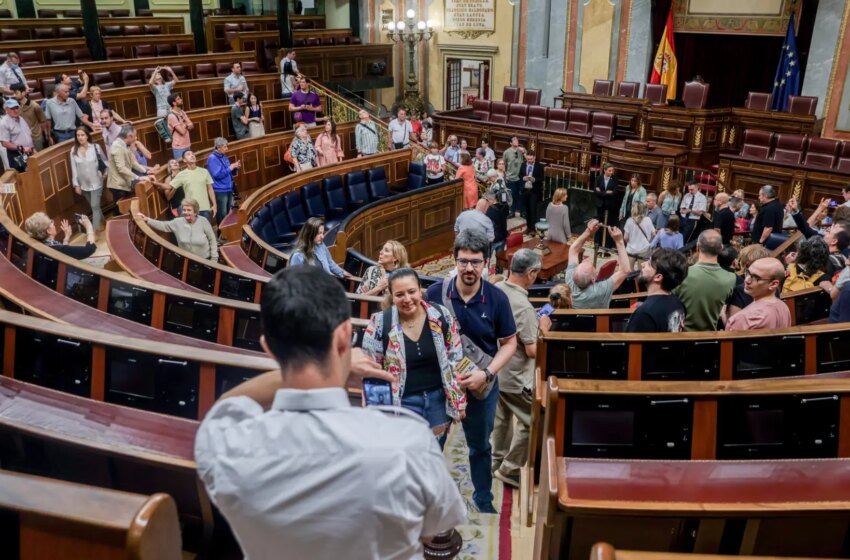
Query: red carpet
x=505, y=545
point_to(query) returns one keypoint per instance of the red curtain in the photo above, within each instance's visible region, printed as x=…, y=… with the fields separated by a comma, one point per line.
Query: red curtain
x=732, y=64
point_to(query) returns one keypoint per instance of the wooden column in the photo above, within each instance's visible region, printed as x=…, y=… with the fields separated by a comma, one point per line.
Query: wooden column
x=196, y=18
x=283, y=23
x=91, y=29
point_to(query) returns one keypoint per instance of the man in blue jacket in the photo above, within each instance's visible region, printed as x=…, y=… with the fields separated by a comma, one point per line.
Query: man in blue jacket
x=222, y=172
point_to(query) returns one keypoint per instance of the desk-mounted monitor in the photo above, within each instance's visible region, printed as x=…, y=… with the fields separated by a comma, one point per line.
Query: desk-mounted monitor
x=201, y=276
x=754, y=428
x=587, y=360
x=192, y=318
x=812, y=307
x=45, y=270
x=228, y=377
x=130, y=302
x=152, y=251
x=4, y=241
x=234, y=286
x=573, y=323
x=82, y=286
x=247, y=331
x=274, y=263
x=601, y=426
x=833, y=351
x=19, y=254
x=57, y=362
x=681, y=360
x=172, y=263
x=773, y=356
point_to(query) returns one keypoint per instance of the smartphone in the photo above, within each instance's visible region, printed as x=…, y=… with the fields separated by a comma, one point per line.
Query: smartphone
x=545, y=310
x=377, y=392
x=833, y=203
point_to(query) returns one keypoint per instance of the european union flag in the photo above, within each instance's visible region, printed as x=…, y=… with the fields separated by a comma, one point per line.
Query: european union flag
x=787, y=81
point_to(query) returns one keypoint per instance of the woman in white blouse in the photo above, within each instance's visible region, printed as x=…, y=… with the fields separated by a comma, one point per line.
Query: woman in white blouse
x=86, y=176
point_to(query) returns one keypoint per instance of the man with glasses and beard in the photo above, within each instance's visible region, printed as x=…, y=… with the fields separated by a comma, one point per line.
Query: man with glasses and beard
x=488, y=332
x=662, y=311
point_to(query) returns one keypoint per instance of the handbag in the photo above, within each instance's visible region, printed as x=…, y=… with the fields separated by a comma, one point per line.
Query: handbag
x=102, y=166
x=256, y=129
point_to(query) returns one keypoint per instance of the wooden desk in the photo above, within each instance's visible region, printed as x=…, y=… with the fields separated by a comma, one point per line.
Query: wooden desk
x=627, y=110
x=126, y=43
x=656, y=167
x=25, y=26
x=553, y=263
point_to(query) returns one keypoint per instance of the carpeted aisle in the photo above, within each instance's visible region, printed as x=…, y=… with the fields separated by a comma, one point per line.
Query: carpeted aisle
x=485, y=536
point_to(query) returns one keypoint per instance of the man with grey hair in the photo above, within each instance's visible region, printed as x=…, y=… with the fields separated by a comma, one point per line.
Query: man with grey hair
x=581, y=275
x=222, y=173
x=366, y=135
x=476, y=218
x=11, y=74
x=769, y=218
x=120, y=177
x=62, y=111
x=707, y=286
x=516, y=380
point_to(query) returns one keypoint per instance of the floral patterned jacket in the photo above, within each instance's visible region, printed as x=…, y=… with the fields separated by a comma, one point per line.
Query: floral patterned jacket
x=449, y=353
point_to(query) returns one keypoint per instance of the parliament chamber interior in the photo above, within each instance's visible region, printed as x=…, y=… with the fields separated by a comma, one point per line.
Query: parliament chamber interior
x=610, y=238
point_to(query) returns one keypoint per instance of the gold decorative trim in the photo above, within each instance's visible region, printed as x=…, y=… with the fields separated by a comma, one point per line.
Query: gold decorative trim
x=721, y=180
x=698, y=137
x=471, y=34
x=665, y=181
x=583, y=162
x=732, y=133
x=642, y=128
x=798, y=189
x=835, y=60
x=723, y=132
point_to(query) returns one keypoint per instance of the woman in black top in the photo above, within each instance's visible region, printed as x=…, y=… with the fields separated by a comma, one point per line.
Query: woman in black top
x=41, y=228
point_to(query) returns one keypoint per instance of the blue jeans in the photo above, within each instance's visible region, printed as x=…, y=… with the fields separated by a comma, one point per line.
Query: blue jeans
x=62, y=135
x=516, y=193
x=178, y=152
x=224, y=202
x=430, y=405
x=477, y=426
x=206, y=214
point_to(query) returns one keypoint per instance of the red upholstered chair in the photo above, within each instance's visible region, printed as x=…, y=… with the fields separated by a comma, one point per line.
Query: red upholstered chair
x=48, y=14
x=343, y=40
x=250, y=67
x=510, y=94
x=180, y=72
x=185, y=48
x=313, y=42
x=9, y=35
x=499, y=112
x=47, y=85
x=557, y=120
x=73, y=13
x=144, y=51
x=656, y=93
x=802, y=104
x=513, y=240
x=299, y=43
x=295, y=25
x=204, y=70
x=695, y=95
x=111, y=30
x=481, y=109
x=789, y=148
x=29, y=58
x=518, y=114
x=759, y=101
x=222, y=69
x=103, y=79
x=628, y=89
x=133, y=77
x=35, y=94
x=70, y=32
x=120, y=13
x=81, y=55
x=756, y=144
x=58, y=56
x=248, y=27
x=114, y=53
x=603, y=127
x=355, y=40
x=531, y=96
x=822, y=152
x=603, y=87
x=44, y=33
x=152, y=30
x=327, y=41
x=579, y=121
x=606, y=270
x=537, y=116
x=132, y=30
x=166, y=50
x=843, y=164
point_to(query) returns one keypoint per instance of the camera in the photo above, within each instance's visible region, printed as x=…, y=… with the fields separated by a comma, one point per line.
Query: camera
x=78, y=218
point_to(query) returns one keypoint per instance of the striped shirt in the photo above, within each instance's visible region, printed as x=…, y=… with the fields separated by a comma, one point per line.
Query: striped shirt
x=366, y=138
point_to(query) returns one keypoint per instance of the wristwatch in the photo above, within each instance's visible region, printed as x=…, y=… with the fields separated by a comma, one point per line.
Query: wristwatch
x=490, y=375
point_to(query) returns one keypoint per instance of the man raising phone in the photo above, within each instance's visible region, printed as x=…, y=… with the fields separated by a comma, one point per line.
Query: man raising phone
x=222, y=172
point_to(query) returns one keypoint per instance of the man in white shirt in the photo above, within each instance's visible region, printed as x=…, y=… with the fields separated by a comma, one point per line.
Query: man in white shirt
x=297, y=471
x=845, y=191
x=400, y=129
x=11, y=74
x=235, y=82
x=489, y=154
x=692, y=208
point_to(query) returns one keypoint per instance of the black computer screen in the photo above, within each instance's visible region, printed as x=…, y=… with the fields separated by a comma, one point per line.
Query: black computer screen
x=152, y=251
x=19, y=254
x=4, y=241
x=45, y=270
x=812, y=307
x=603, y=428
x=232, y=286
x=82, y=286
x=759, y=427
x=274, y=263
x=255, y=252
x=201, y=276
x=686, y=360
x=833, y=352
x=138, y=236
x=180, y=315
x=247, y=331
x=130, y=302
x=584, y=360
x=172, y=263
x=768, y=357
x=129, y=377
x=573, y=323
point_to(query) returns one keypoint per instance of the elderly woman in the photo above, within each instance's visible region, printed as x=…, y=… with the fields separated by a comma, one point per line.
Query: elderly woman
x=192, y=232
x=41, y=228
x=310, y=249
x=96, y=105
x=303, y=151
x=392, y=256
x=418, y=343
x=161, y=88
x=481, y=164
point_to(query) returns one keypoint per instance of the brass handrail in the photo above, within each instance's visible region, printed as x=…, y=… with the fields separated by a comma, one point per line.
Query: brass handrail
x=343, y=110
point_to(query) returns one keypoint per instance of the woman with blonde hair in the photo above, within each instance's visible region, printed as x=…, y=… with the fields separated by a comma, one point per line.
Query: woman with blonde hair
x=638, y=234
x=558, y=216
x=392, y=256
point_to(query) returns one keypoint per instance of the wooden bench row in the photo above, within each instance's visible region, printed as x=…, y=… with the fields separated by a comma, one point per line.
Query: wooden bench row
x=28, y=28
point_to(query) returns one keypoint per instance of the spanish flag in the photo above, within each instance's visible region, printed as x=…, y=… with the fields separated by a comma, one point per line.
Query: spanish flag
x=664, y=67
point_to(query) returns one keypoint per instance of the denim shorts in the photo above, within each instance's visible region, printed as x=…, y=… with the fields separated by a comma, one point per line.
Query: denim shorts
x=430, y=405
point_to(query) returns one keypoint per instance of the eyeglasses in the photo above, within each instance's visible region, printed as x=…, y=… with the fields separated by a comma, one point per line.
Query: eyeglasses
x=755, y=277
x=463, y=263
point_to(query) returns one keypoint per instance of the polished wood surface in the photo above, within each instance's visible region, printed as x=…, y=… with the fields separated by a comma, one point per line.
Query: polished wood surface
x=553, y=263
x=65, y=521
x=655, y=166
x=604, y=551
x=807, y=183
x=215, y=28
